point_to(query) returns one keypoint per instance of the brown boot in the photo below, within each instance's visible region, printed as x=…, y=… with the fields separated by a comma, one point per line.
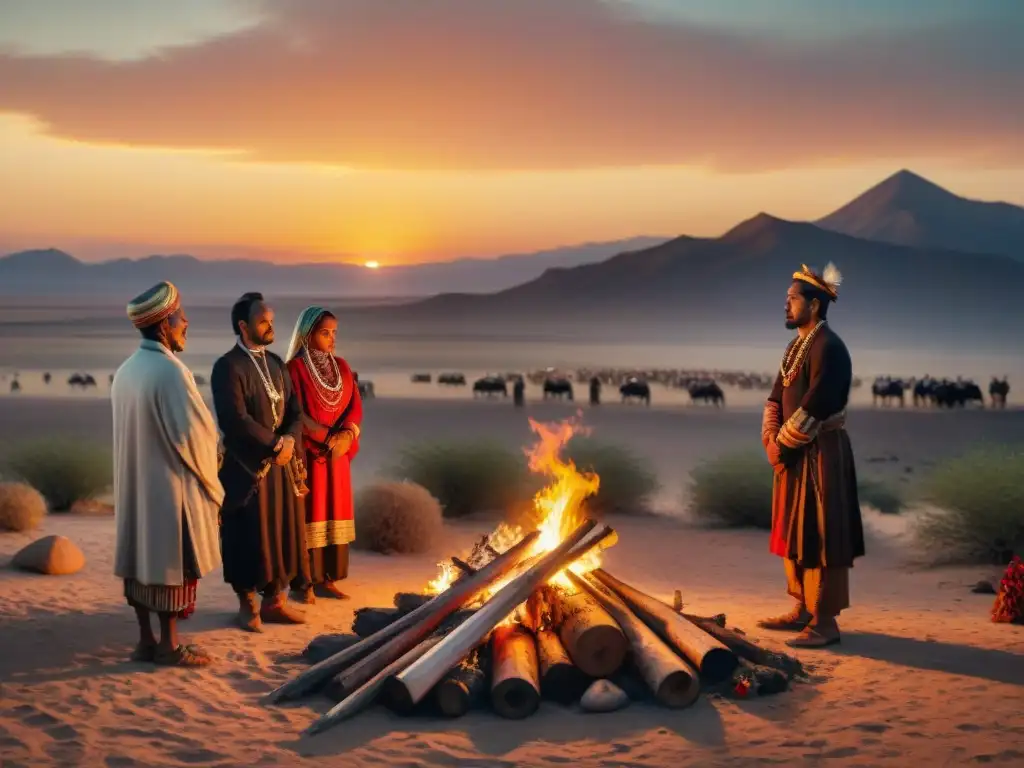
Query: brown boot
x=331, y=589
x=276, y=610
x=248, y=616
x=794, y=621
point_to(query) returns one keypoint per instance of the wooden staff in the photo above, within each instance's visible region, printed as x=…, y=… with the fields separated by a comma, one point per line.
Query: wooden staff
x=671, y=680
x=411, y=628
x=560, y=679
x=712, y=659
x=360, y=699
x=515, y=682
x=412, y=684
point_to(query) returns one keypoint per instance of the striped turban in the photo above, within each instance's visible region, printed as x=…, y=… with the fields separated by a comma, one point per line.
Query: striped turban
x=158, y=303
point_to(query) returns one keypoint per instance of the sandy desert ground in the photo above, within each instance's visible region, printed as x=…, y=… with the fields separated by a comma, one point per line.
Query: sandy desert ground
x=922, y=675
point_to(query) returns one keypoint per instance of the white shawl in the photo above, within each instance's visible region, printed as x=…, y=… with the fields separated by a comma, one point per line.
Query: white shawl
x=165, y=469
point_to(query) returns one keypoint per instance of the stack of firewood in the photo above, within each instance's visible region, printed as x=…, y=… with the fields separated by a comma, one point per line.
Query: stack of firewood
x=474, y=645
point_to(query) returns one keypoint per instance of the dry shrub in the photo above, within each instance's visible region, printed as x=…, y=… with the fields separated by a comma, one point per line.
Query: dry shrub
x=626, y=482
x=400, y=518
x=63, y=471
x=22, y=507
x=733, y=491
x=466, y=477
x=979, y=515
x=882, y=495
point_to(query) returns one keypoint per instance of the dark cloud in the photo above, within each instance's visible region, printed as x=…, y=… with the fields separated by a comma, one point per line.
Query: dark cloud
x=537, y=84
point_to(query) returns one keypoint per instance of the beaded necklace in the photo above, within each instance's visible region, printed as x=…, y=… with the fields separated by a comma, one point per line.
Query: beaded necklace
x=268, y=382
x=793, y=360
x=328, y=394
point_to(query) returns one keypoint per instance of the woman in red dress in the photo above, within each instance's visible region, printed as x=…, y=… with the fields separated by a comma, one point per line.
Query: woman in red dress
x=332, y=412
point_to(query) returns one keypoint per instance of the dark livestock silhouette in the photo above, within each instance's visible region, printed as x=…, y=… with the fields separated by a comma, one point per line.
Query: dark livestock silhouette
x=636, y=389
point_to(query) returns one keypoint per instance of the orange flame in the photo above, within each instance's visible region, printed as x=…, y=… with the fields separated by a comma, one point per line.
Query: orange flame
x=557, y=507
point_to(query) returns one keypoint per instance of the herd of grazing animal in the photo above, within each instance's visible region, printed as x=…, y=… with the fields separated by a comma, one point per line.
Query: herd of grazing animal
x=940, y=393
x=635, y=385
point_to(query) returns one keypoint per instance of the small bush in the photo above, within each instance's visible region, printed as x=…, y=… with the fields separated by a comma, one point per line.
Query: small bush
x=627, y=483
x=466, y=477
x=63, y=472
x=733, y=491
x=22, y=507
x=398, y=518
x=881, y=495
x=979, y=515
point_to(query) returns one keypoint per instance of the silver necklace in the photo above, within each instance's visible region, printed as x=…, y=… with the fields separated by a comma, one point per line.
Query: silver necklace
x=329, y=394
x=268, y=384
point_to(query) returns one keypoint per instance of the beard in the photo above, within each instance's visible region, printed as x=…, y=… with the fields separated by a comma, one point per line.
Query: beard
x=792, y=325
x=266, y=339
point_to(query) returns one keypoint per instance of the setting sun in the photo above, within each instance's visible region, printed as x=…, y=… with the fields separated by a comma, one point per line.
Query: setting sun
x=372, y=265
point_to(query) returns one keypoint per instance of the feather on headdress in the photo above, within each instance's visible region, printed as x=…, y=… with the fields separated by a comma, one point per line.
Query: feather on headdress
x=829, y=281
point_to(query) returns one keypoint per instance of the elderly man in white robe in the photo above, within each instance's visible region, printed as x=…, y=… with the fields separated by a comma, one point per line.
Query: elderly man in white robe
x=167, y=495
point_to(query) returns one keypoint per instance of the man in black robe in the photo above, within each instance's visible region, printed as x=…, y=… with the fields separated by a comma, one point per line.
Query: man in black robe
x=816, y=520
x=263, y=519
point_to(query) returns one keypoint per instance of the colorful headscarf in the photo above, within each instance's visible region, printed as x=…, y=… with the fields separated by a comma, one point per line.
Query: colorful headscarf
x=304, y=326
x=158, y=303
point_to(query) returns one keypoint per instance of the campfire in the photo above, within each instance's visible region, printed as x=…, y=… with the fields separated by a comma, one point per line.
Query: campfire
x=530, y=614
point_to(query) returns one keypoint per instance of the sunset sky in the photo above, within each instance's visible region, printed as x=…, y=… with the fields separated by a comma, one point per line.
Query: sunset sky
x=413, y=130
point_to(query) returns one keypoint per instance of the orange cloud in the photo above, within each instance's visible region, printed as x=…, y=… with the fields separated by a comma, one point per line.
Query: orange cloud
x=535, y=84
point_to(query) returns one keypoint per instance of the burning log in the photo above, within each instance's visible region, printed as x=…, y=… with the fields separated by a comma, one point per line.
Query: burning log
x=515, y=682
x=406, y=602
x=765, y=680
x=560, y=679
x=748, y=650
x=412, y=684
x=593, y=639
x=464, y=685
x=359, y=699
x=390, y=643
x=672, y=681
x=370, y=621
x=709, y=656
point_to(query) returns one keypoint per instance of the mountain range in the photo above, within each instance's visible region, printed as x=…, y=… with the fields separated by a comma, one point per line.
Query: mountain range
x=52, y=272
x=723, y=289
x=921, y=265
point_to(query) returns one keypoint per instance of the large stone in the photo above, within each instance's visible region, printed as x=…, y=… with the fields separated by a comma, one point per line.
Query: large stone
x=603, y=696
x=51, y=555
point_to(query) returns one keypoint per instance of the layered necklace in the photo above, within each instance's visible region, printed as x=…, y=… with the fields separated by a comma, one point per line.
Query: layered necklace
x=258, y=356
x=327, y=382
x=794, y=358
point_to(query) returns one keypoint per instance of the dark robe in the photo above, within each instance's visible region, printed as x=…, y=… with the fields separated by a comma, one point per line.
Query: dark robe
x=262, y=533
x=816, y=519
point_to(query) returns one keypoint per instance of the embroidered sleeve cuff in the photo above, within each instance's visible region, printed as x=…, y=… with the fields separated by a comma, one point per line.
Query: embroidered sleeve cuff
x=771, y=421
x=799, y=430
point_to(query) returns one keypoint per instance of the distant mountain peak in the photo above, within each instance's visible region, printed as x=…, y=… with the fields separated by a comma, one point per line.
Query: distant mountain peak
x=48, y=258
x=908, y=209
x=761, y=227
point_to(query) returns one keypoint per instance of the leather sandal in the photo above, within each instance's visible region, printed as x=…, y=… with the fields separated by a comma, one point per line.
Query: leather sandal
x=812, y=638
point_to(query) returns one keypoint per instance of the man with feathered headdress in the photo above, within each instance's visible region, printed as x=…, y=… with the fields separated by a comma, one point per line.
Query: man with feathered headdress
x=816, y=521
x=166, y=492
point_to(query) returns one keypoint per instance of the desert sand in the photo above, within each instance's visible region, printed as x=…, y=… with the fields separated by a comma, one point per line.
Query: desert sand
x=922, y=674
